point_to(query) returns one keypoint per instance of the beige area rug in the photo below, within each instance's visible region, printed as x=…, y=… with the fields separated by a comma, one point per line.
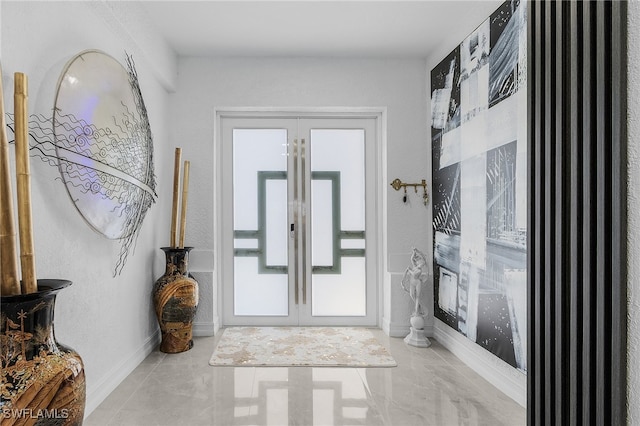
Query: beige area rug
x=300, y=346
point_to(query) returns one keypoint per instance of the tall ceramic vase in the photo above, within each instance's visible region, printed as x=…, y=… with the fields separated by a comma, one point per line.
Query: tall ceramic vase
x=43, y=381
x=175, y=297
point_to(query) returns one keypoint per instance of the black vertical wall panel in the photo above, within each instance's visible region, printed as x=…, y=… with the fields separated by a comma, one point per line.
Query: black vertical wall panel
x=575, y=215
x=549, y=220
x=577, y=222
x=601, y=221
x=619, y=204
x=586, y=260
x=535, y=326
x=533, y=381
x=559, y=157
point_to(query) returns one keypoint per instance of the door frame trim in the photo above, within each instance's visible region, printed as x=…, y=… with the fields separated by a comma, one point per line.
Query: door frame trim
x=380, y=172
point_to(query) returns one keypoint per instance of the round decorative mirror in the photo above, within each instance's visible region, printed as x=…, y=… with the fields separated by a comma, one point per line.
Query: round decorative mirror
x=104, y=144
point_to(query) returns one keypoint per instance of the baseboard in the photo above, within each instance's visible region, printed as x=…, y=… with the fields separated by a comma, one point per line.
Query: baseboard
x=503, y=376
x=385, y=325
x=201, y=329
x=428, y=330
x=216, y=324
x=101, y=390
x=395, y=329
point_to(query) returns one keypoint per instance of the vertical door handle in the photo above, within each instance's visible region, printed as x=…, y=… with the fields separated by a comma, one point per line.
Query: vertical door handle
x=303, y=191
x=292, y=228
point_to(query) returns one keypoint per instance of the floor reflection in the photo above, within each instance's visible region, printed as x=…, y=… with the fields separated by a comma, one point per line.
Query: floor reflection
x=428, y=387
x=295, y=395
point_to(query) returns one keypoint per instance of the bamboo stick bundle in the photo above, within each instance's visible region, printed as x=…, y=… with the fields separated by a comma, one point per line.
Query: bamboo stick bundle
x=185, y=196
x=23, y=185
x=10, y=284
x=176, y=195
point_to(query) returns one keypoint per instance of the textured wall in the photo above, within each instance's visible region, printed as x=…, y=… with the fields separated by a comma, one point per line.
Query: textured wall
x=633, y=330
x=109, y=321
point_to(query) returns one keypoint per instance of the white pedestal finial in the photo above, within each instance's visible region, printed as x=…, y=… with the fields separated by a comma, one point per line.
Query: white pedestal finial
x=416, y=337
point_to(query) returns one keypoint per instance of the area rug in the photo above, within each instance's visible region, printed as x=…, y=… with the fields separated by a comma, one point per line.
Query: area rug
x=300, y=346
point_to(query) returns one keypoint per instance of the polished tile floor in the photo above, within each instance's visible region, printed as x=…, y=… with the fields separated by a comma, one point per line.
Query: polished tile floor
x=428, y=387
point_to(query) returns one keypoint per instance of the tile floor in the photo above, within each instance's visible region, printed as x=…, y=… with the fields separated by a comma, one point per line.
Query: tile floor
x=428, y=387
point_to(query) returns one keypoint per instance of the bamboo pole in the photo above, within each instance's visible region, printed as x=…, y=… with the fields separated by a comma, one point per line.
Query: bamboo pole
x=176, y=195
x=9, y=281
x=23, y=184
x=185, y=196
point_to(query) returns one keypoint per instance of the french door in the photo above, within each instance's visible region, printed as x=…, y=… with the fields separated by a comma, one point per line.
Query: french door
x=297, y=220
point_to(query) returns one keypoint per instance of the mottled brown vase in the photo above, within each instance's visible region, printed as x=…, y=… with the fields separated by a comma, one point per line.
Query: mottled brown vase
x=42, y=381
x=175, y=297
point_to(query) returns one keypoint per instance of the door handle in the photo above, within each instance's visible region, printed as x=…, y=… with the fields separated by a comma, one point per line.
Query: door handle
x=304, y=220
x=292, y=228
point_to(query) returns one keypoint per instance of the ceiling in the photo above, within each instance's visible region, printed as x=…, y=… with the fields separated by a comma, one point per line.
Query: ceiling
x=347, y=28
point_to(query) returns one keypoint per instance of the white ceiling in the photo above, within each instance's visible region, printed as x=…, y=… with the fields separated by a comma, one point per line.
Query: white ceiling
x=391, y=28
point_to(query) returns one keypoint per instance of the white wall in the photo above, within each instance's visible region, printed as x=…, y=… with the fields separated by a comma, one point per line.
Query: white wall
x=399, y=85
x=633, y=297
x=109, y=321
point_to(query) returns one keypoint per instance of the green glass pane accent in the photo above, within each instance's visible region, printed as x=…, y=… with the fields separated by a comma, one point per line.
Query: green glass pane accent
x=352, y=252
x=247, y=252
x=337, y=233
x=352, y=235
x=334, y=177
x=263, y=176
x=248, y=235
x=258, y=234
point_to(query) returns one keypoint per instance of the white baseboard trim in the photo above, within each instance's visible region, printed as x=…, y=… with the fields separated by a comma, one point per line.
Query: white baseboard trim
x=395, y=329
x=386, y=325
x=428, y=330
x=216, y=324
x=201, y=329
x=503, y=376
x=101, y=390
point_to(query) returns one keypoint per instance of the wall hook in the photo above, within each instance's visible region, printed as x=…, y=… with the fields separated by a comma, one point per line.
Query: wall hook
x=397, y=184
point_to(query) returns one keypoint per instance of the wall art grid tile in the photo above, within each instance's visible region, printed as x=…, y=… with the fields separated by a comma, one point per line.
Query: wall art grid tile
x=479, y=142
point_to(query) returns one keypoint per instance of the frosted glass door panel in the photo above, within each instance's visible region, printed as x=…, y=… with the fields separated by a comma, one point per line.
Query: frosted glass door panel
x=260, y=222
x=297, y=219
x=338, y=278
x=342, y=294
x=258, y=294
